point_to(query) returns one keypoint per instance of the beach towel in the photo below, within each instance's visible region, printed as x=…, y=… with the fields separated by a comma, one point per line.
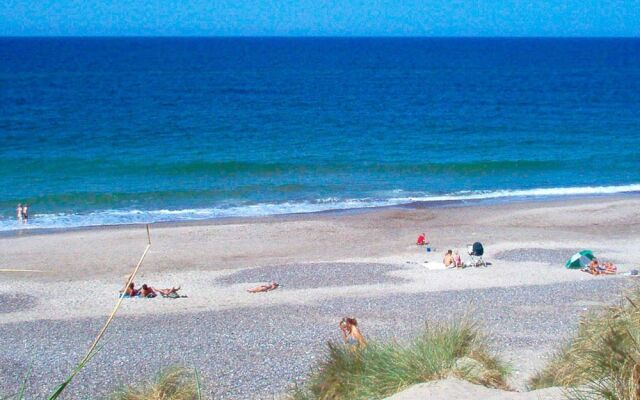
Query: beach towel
x=174, y=295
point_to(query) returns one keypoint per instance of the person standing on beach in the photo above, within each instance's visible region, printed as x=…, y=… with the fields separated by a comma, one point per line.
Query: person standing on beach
x=19, y=212
x=25, y=213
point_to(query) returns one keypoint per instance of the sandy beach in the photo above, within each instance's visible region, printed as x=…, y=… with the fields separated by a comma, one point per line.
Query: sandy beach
x=362, y=263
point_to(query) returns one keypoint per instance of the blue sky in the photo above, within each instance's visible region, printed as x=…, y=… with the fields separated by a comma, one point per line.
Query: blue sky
x=319, y=17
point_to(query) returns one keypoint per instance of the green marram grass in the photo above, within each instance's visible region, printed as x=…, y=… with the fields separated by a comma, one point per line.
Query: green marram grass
x=602, y=361
x=382, y=369
x=174, y=383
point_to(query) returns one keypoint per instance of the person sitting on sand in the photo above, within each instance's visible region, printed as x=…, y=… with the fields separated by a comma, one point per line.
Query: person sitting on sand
x=422, y=240
x=594, y=267
x=264, y=288
x=448, y=259
x=350, y=332
x=131, y=291
x=457, y=260
x=147, y=292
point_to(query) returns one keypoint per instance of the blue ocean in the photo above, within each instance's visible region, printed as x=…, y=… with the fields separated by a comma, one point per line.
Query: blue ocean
x=97, y=131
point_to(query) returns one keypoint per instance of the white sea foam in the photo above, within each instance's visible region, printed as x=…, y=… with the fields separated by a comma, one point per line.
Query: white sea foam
x=540, y=192
x=119, y=217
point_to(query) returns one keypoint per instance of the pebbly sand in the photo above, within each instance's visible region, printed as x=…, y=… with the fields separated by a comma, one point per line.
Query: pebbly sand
x=330, y=265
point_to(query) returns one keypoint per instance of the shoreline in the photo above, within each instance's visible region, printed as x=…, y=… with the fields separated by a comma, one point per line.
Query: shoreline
x=415, y=205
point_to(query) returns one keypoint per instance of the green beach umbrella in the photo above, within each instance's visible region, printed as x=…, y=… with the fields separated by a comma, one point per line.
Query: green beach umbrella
x=580, y=260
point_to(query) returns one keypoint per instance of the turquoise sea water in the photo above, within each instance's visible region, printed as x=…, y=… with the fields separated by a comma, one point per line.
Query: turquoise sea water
x=108, y=131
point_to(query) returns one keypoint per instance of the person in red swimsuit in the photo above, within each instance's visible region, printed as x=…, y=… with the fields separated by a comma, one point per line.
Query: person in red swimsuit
x=147, y=291
x=131, y=291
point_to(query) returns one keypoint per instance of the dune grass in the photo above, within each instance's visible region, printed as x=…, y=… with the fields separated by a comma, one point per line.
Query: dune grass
x=603, y=359
x=382, y=369
x=174, y=383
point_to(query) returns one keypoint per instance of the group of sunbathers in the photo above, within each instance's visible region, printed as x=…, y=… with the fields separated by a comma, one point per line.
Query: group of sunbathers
x=146, y=291
x=452, y=259
x=597, y=268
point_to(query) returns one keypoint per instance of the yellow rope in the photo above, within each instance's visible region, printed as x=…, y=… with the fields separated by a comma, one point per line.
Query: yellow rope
x=115, y=309
x=21, y=270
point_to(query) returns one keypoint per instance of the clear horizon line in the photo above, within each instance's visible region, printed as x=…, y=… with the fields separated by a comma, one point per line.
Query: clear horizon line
x=317, y=37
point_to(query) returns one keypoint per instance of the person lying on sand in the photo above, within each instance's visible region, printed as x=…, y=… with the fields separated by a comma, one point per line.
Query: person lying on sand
x=596, y=268
x=606, y=268
x=350, y=332
x=264, y=288
x=147, y=292
x=167, y=292
x=150, y=292
x=448, y=259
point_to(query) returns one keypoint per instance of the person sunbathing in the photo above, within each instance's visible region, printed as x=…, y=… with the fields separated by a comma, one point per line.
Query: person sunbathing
x=130, y=291
x=593, y=268
x=608, y=268
x=448, y=260
x=264, y=288
x=167, y=292
x=147, y=292
x=351, y=333
x=457, y=260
